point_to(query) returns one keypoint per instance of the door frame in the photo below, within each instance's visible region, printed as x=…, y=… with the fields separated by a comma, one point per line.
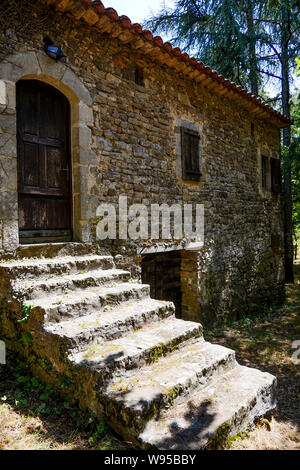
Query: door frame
x=45, y=235
x=28, y=65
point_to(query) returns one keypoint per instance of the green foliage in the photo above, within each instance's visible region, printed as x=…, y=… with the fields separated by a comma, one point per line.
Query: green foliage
x=240, y=39
x=221, y=438
x=215, y=31
x=267, y=423
x=294, y=155
x=100, y=430
x=26, y=339
x=40, y=399
x=298, y=66
x=25, y=312
x=156, y=352
x=238, y=437
x=211, y=291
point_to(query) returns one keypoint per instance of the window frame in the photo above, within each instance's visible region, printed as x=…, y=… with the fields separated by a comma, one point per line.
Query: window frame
x=188, y=173
x=276, y=183
x=264, y=173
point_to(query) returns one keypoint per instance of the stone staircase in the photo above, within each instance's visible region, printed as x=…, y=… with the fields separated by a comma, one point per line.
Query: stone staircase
x=150, y=376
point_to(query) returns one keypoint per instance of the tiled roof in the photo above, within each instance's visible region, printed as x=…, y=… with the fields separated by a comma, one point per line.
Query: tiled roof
x=107, y=20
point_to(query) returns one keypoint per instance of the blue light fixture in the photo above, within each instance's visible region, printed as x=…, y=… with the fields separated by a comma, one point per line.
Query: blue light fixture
x=54, y=52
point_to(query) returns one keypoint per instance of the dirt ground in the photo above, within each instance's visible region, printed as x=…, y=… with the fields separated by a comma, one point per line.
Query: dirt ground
x=33, y=416
x=266, y=344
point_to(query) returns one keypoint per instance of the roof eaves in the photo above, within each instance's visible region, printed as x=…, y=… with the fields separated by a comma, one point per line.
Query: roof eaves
x=107, y=20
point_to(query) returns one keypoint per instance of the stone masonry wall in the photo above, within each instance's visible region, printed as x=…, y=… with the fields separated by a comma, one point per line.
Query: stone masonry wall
x=133, y=148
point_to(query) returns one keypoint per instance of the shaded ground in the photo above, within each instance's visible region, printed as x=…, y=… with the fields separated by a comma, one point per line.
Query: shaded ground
x=32, y=416
x=266, y=344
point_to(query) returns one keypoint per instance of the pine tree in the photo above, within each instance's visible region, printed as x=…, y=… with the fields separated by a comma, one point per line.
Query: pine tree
x=222, y=33
x=285, y=32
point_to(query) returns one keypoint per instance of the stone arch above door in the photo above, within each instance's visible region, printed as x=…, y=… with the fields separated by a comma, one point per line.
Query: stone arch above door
x=36, y=65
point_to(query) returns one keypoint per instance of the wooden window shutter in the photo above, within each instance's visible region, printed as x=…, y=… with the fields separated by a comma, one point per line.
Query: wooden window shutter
x=276, y=175
x=190, y=154
x=264, y=172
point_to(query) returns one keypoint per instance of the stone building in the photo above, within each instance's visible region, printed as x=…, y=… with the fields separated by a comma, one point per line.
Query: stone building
x=123, y=113
x=128, y=97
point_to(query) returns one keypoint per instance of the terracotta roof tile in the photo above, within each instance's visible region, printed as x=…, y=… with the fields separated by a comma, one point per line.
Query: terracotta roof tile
x=166, y=47
x=158, y=41
x=136, y=27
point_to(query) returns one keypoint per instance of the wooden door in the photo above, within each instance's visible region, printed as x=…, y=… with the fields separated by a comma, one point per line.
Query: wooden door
x=44, y=171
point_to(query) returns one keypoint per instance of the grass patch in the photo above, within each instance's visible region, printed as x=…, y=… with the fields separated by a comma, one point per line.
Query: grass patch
x=264, y=341
x=33, y=416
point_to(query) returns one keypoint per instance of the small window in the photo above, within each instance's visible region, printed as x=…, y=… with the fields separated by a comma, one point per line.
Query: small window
x=252, y=130
x=139, y=76
x=190, y=154
x=264, y=164
x=276, y=175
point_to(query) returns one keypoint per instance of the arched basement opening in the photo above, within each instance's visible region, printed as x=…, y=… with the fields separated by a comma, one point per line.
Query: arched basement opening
x=163, y=272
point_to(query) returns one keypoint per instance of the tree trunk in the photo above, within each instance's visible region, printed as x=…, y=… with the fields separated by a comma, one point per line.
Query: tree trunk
x=288, y=203
x=252, y=49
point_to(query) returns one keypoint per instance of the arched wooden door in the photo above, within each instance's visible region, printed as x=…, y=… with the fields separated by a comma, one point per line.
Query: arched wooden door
x=44, y=165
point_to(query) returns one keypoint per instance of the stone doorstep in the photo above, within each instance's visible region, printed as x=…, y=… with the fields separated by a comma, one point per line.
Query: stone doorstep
x=60, y=249
x=111, y=323
x=223, y=409
x=39, y=287
x=84, y=302
x=149, y=343
x=153, y=388
x=32, y=268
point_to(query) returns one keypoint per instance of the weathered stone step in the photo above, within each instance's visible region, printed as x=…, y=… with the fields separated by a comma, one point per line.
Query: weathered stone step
x=223, y=409
x=153, y=388
x=34, y=289
x=51, y=250
x=136, y=349
x=151, y=376
x=110, y=323
x=86, y=301
x=33, y=268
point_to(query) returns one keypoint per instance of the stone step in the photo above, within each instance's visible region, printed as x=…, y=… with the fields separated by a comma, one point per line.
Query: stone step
x=110, y=323
x=52, y=250
x=223, y=409
x=86, y=301
x=151, y=376
x=34, y=268
x=153, y=388
x=136, y=349
x=34, y=289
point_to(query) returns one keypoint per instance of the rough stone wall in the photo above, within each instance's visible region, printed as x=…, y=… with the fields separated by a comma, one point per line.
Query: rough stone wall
x=133, y=149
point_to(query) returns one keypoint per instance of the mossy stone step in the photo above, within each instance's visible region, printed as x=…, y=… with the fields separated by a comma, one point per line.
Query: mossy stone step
x=150, y=376
x=153, y=388
x=228, y=406
x=33, y=268
x=135, y=349
x=112, y=322
x=33, y=289
x=57, y=249
x=83, y=302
